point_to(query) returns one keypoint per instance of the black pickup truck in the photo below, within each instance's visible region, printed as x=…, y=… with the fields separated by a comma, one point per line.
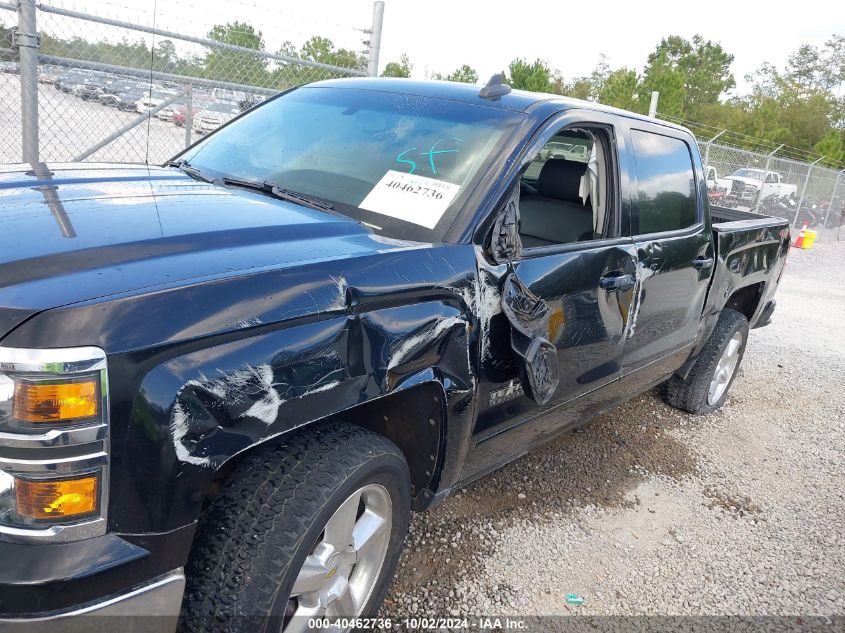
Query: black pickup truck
x=225, y=382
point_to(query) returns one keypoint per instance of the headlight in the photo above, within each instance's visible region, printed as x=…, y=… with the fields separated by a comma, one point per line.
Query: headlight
x=53, y=444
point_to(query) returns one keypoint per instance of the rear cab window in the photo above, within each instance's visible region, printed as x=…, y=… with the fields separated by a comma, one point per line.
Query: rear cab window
x=666, y=194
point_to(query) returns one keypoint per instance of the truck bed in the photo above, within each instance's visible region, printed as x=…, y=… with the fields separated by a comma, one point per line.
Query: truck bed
x=725, y=220
x=750, y=251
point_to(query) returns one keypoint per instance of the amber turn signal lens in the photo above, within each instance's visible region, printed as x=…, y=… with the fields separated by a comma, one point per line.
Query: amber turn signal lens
x=56, y=402
x=56, y=499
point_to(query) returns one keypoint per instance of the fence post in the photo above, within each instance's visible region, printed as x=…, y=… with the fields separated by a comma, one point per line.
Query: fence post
x=804, y=191
x=763, y=183
x=26, y=41
x=189, y=113
x=707, y=149
x=832, y=199
x=375, y=39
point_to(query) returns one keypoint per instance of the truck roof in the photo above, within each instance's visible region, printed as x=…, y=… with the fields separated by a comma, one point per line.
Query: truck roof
x=515, y=101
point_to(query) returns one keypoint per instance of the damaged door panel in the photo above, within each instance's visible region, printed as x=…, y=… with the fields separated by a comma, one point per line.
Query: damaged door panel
x=566, y=333
x=528, y=315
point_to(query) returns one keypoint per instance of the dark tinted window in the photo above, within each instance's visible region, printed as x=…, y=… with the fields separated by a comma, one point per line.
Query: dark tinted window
x=666, y=183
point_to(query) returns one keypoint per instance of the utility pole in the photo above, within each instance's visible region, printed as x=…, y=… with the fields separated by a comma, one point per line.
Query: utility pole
x=26, y=41
x=652, y=108
x=375, y=39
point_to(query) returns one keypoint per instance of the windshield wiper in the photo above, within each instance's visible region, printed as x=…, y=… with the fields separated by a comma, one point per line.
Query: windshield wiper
x=278, y=192
x=185, y=167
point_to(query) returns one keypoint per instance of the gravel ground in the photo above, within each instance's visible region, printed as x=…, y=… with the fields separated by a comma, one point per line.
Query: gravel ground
x=648, y=510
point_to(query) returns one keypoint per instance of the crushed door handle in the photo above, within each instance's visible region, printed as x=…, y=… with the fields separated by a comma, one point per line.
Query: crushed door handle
x=617, y=282
x=700, y=263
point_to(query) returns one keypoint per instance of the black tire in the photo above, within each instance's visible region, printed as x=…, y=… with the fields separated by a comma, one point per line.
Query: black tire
x=256, y=535
x=690, y=393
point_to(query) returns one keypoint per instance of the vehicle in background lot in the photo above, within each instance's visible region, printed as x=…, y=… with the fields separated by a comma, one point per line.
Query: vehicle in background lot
x=93, y=88
x=717, y=188
x=249, y=101
x=152, y=100
x=747, y=186
x=66, y=82
x=48, y=74
x=180, y=112
x=228, y=391
x=112, y=95
x=10, y=67
x=214, y=115
x=166, y=113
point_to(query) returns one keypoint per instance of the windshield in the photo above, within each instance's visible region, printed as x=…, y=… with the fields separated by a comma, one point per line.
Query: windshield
x=401, y=164
x=749, y=173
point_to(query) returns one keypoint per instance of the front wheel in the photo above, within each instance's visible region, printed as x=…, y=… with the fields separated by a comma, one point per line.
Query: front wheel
x=309, y=528
x=705, y=388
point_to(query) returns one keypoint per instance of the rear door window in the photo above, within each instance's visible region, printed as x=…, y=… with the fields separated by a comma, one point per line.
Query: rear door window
x=666, y=183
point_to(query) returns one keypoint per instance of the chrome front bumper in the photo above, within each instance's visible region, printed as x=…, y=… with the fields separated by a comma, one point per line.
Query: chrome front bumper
x=150, y=608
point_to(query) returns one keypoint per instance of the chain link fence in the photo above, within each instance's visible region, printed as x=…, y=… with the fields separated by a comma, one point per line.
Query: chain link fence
x=111, y=89
x=801, y=191
x=140, y=85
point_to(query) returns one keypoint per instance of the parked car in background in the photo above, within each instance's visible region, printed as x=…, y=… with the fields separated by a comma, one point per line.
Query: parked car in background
x=180, y=112
x=128, y=99
x=66, y=82
x=747, y=186
x=214, y=115
x=152, y=100
x=48, y=74
x=93, y=88
x=9, y=67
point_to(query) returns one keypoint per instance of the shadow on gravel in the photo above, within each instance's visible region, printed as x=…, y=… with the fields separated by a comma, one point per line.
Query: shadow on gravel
x=597, y=465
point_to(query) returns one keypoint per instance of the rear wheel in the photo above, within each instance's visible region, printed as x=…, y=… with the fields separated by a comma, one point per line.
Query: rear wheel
x=705, y=388
x=311, y=527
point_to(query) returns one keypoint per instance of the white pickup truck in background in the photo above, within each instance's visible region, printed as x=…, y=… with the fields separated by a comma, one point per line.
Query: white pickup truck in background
x=747, y=186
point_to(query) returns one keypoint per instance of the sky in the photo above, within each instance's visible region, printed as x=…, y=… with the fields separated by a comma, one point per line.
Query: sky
x=440, y=35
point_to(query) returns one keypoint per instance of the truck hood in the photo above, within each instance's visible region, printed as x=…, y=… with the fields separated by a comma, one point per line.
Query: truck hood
x=746, y=180
x=74, y=232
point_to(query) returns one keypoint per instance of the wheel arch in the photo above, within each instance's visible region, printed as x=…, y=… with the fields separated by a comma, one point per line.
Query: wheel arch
x=412, y=417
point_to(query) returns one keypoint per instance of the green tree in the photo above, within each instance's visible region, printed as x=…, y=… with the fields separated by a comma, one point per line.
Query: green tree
x=236, y=66
x=465, y=74
x=317, y=49
x=832, y=148
x=534, y=76
x=620, y=90
x=705, y=65
x=164, y=56
x=663, y=76
x=402, y=68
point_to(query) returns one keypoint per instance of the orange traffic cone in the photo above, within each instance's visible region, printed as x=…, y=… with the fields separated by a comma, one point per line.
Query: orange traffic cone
x=799, y=241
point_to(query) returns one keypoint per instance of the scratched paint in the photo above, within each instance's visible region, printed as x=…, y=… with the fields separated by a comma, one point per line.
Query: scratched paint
x=237, y=387
x=341, y=285
x=642, y=273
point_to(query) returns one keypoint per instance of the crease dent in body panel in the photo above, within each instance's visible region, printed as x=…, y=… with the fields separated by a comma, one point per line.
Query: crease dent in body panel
x=641, y=273
x=341, y=285
x=484, y=301
x=406, y=349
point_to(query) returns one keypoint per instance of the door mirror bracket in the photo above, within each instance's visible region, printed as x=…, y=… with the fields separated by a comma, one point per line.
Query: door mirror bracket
x=528, y=315
x=505, y=243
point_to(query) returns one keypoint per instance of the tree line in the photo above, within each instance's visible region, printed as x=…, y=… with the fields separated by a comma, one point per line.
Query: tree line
x=801, y=105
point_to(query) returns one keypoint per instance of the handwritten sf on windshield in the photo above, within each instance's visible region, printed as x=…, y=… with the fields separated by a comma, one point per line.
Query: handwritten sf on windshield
x=433, y=151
